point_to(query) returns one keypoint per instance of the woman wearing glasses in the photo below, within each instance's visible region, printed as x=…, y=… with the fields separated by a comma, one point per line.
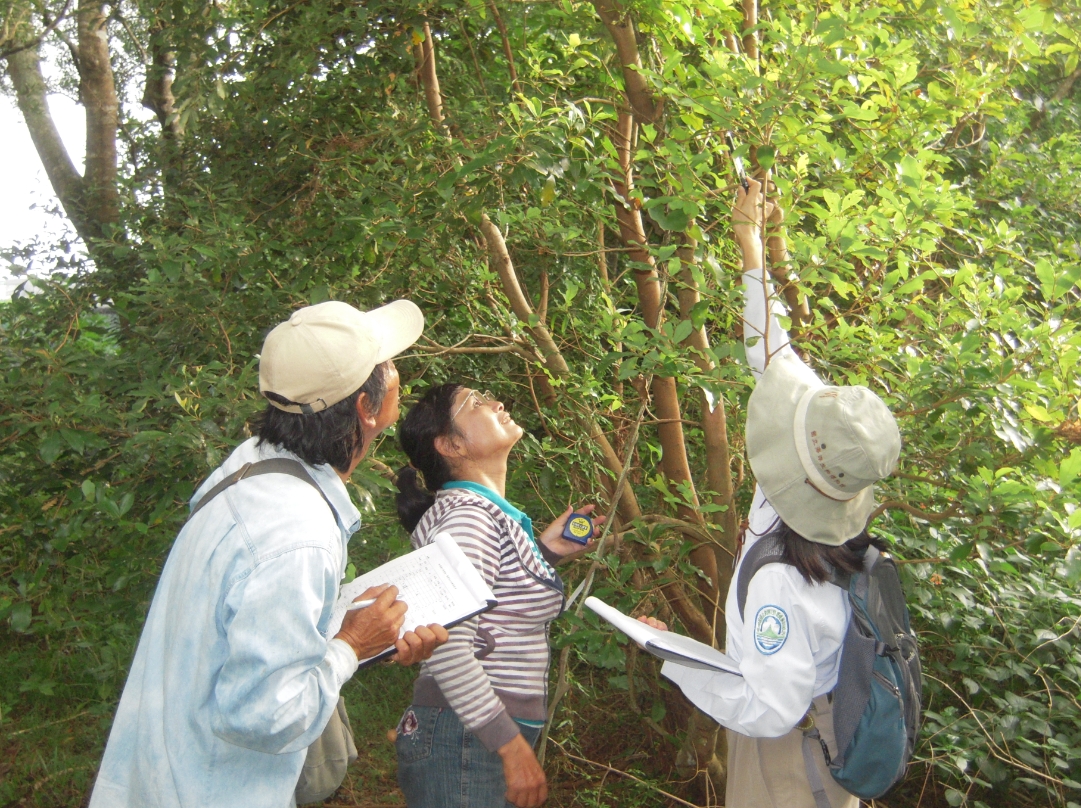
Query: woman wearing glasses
x=481, y=700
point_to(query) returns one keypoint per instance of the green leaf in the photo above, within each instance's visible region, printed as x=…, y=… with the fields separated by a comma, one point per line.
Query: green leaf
x=658, y=711
x=673, y=219
x=1071, y=565
x=21, y=617
x=548, y=192
x=766, y=156
x=1070, y=468
x=51, y=448
x=682, y=330
x=126, y=502
x=88, y=489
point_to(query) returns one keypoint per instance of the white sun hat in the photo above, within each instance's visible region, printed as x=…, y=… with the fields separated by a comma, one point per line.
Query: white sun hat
x=817, y=450
x=326, y=352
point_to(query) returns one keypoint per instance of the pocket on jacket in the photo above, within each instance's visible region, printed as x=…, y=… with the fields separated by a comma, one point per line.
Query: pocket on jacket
x=416, y=731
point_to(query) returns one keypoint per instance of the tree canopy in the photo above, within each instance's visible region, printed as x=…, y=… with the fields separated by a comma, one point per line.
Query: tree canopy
x=550, y=182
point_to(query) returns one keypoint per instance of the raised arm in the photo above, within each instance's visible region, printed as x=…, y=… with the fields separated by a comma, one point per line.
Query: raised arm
x=763, y=336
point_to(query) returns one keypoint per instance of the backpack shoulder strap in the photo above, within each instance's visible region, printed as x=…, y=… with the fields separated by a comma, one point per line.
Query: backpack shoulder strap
x=275, y=465
x=767, y=550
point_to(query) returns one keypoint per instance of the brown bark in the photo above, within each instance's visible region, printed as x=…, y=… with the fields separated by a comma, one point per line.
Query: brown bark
x=639, y=95
x=98, y=93
x=492, y=7
x=1066, y=87
x=24, y=67
x=750, y=36
x=424, y=54
x=798, y=310
x=714, y=425
x=158, y=93
x=501, y=262
x=699, y=753
x=675, y=464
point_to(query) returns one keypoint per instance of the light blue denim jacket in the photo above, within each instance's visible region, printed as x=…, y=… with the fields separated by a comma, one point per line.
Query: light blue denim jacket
x=233, y=678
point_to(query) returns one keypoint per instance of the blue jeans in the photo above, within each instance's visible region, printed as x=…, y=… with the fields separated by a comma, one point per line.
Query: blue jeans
x=441, y=764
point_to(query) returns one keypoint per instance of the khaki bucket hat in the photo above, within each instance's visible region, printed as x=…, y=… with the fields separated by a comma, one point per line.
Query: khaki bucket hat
x=324, y=353
x=817, y=450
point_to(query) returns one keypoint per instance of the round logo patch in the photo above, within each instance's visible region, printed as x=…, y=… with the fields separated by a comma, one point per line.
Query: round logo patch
x=770, y=629
x=581, y=528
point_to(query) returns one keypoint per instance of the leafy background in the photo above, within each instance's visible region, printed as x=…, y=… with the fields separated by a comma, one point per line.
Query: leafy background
x=927, y=155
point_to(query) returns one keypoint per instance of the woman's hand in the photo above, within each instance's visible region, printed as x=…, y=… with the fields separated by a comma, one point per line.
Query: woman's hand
x=552, y=537
x=751, y=209
x=527, y=786
x=653, y=622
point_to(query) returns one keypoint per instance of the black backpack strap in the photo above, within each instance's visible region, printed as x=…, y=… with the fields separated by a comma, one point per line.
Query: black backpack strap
x=275, y=465
x=767, y=550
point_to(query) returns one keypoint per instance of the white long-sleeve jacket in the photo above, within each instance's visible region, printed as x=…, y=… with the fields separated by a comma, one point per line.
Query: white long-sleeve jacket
x=233, y=677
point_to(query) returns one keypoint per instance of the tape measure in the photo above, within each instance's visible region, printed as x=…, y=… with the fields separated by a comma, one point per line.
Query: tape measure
x=579, y=528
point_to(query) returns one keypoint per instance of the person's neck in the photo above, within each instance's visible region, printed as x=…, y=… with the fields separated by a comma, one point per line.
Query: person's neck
x=492, y=474
x=357, y=457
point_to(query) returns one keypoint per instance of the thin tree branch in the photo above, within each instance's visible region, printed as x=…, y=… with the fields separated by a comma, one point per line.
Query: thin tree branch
x=507, y=51
x=50, y=26
x=621, y=773
x=927, y=516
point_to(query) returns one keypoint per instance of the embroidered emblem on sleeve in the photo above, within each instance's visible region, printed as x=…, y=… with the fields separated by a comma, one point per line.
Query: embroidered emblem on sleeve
x=770, y=629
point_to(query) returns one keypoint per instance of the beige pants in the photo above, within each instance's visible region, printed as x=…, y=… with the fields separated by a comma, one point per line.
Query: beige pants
x=770, y=772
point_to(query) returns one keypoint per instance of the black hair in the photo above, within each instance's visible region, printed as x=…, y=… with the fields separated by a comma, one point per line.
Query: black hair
x=427, y=420
x=333, y=435
x=815, y=561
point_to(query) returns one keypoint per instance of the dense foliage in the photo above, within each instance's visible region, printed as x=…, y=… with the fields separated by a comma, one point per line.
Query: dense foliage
x=928, y=156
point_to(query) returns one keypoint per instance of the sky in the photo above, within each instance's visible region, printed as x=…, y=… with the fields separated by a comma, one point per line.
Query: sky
x=25, y=192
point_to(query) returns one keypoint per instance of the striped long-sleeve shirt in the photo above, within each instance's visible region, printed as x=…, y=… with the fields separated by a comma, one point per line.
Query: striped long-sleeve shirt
x=494, y=667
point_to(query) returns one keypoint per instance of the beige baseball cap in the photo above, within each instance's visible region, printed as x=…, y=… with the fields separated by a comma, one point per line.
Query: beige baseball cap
x=324, y=353
x=817, y=450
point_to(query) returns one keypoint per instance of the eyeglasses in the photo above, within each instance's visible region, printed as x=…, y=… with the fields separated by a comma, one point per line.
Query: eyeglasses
x=482, y=398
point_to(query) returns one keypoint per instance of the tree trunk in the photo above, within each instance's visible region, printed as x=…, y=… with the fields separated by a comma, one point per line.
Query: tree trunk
x=24, y=67
x=750, y=36
x=500, y=260
x=91, y=201
x=424, y=54
x=618, y=22
x=674, y=462
x=98, y=95
x=158, y=92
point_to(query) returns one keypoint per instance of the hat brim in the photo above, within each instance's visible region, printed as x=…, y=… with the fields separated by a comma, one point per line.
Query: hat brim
x=774, y=459
x=397, y=325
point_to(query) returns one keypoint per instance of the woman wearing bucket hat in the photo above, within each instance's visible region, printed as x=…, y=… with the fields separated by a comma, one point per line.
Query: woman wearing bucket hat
x=815, y=451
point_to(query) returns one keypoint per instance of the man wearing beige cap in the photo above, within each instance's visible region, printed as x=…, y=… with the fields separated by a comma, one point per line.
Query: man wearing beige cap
x=234, y=678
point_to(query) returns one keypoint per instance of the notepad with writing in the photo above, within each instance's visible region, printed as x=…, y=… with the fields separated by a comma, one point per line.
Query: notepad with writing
x=438, y=583
x=666, y=645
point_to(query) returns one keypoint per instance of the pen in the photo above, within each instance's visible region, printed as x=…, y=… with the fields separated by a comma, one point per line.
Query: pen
x=360, y=604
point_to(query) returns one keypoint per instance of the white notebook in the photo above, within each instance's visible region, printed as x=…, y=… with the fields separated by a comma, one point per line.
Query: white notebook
x=664, y=644
x=438, y=583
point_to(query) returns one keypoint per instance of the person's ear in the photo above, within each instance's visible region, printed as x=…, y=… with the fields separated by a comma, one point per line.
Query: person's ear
x=447, y=446
x=364, y=413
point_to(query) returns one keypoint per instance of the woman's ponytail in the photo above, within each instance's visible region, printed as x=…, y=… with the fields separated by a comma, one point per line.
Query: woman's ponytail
x=429, y=419
x=412, y=500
